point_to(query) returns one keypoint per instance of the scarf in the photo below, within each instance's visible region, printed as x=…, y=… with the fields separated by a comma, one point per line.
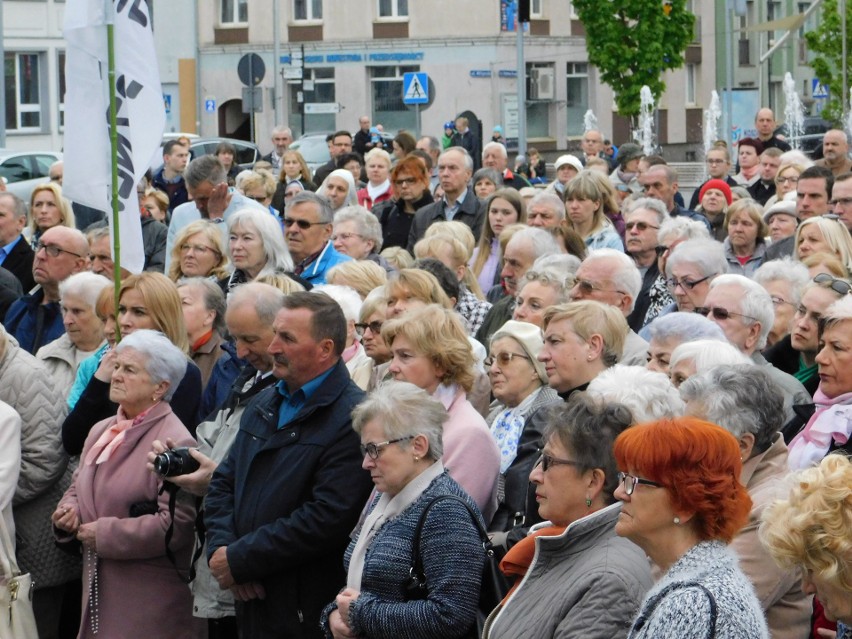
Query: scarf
x=832, y=421
x=507, y=428
x=112, y=437
x=352, y=351
x=517, y=561
x=201, y=341
x=376, y=191
x=385, y=509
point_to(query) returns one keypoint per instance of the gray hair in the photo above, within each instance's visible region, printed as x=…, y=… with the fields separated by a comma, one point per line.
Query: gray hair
x=164, y=362
x=468, y=161
x=550, y=200
x=564, y=264
x=346, y=297
x=86, y=285
x=682, y=228
x=787, y=270
x=405, y=410
x=367, y=223
x=97, y=233
x=264, y=298
x=282, y=129
x=554, y=278
x=268, y=228
x=497, y=147
x=706, y=354
x=434, y=143
x=740, y=399
x=489, y=174
x=685, y=327
x=839, y=311
x=654, y=205
x=326, y=214
x=207, y=168
x=658, y=399
x=213, y=297
x=542, y=242
x=755, y=303
x=625, y=276
x=707, y=255
x=19, y=207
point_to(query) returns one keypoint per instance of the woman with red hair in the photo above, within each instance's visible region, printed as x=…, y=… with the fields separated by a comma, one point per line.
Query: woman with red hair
x=682, y=506
x=410, y=193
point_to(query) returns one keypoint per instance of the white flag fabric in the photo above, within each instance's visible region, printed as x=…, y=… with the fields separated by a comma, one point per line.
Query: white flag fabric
x=140, y=112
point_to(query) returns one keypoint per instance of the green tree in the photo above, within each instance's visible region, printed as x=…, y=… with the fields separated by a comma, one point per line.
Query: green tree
x=632, y=42
x=827, y=45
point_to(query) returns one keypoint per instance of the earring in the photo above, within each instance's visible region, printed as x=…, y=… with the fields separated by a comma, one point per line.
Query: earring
x=589, y=358
x=677, y=520
x=416, y=458
x=588, y=502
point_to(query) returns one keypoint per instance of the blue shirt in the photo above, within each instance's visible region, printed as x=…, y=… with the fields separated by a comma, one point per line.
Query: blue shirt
x=294, y=402
x=450, y=211
x=4, y=252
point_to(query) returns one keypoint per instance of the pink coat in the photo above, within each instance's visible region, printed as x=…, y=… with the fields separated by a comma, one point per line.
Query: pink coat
x=139, y=593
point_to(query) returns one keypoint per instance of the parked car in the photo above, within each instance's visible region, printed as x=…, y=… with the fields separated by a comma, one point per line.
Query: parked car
x=24, y=170
x=247, y=152
x=810, y=142
x=314, y=149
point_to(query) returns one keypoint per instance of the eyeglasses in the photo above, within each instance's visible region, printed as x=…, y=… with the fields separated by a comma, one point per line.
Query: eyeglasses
x=720, y=313
x=587, y=288
x=631, y=481
x=794, y=179
x=659, y=250
x=404, y=181
x=686, y=285
x=642, y=226
x=778, y=301
x=345, y=236
x=502, y=359
x=842, y=201
x=837, y=285
x=197, y=248
x=53, y=251
x=715, y=161
x=302, y=224
x=374, y=450
x=547, y=461
x=374, y=326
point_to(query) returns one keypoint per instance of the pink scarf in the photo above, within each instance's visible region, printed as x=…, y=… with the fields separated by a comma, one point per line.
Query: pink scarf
x=113, y=436
x=352, y=351
x=832, y=421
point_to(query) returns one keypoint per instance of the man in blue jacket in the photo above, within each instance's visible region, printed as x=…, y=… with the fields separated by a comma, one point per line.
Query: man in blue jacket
x=284, y=501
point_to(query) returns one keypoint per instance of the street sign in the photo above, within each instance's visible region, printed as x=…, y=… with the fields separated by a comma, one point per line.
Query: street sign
x=318, y=108
x=818, y=90
x=252, y=99
x=291, y=73
x=210, y=105
x=415, y=88
x=251, y=69
x=167, y=102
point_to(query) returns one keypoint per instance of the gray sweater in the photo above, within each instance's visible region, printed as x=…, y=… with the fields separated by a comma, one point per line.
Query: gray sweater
x=677, y=608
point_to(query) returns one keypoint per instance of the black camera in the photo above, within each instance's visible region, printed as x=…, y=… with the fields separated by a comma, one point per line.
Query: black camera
x=175, y=462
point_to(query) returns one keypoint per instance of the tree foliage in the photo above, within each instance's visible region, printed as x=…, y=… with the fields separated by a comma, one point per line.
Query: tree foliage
x=826, y=43
x=632, y=42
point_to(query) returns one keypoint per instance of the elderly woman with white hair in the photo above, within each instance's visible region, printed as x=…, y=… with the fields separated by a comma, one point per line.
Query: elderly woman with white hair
x=668, y=332
x=541, y=287
x=519, y=385
x=748, y=404
x=358, y=363
x=377, y=164
x=255, y=247
x=784, y=280
x=84, y=331
x=692, y=358
x=690, y=268
x=115, y=507
x=657, y=400
x=358, y=234
x=339, y=189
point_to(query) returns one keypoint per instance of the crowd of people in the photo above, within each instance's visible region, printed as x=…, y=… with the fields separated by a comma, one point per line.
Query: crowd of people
x=418, y=393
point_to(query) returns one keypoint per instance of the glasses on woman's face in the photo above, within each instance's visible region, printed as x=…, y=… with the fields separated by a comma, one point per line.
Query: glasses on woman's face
x=686, y=285
x=629, y=482
x=374, y=450
x=839, y=286
x=792, y=179
x=502, y=358
x=374, y=326
x=408, y=181
x=547, y=461
x=197, y=248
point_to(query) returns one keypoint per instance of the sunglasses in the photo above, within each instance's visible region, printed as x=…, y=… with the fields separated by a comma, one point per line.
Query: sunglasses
x=375, y=327
x=685, y=284
x=502, y=359
x=835, y=284
x=720, y=313
x=302, y=224
x=587, y=288
x=642, y=226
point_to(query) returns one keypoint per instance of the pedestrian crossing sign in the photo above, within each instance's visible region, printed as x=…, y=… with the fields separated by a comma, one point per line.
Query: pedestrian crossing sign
x=819, y=90
x=415, y=88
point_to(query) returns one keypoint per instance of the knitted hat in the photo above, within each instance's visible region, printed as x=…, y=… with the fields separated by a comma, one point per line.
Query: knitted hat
x=719, y=185
x=562, y=160
x=530, y=339
x=498, y=129
x=786, y=207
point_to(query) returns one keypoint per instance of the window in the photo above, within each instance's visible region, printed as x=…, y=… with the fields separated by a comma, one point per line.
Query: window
x=393, y=8
x=234, y=11
x=535, y=8
x=23, y=91
x=388, y=107
x=60, y=73
x=319, y=89
x=541, y=91
x=690, y=84
x=577, y=100
x=307, y=9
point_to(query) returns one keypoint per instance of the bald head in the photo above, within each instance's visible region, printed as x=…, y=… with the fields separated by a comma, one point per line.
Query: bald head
x=764, y=122
x=61, y=252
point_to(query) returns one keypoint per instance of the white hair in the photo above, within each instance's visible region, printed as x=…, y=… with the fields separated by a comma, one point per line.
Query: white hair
x=86, y=285
x=706, y=354
x=626, y=275
x=658, y=399
x=755, y=303
x=495, y=146
x=347, y=298
x=707, y=255
x=787, y=270
x=164, y=362
x=682, y=228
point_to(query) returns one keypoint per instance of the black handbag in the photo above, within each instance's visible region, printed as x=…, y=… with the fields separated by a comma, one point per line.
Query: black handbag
x=493, y=586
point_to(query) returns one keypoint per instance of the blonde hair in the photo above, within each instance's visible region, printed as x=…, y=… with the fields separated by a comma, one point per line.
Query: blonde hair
x=305, y=172
x=362, y=275
x=378, y=153
x=589, y=318
x=832, y=264
x=162, y=301
x=259, y=178
x=280, y=281
x=212, y=234
x=437, y=333
x=835, y=234
x=66, y=213
x=458, y=230
x=593, y=186
x=161, y=198
x=397, y=257
x=431, y=246
x=420, y=285
x=754, y=211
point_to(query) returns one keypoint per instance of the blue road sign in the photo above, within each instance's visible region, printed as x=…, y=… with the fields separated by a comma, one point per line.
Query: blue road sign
x=167, y=102
x=210, y=105
x=415, y=88
x=818, y=90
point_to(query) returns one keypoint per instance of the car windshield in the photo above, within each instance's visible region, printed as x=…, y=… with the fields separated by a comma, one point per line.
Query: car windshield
x=314, y=150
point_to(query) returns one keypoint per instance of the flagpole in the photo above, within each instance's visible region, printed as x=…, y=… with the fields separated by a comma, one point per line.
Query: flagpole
x=113, y=140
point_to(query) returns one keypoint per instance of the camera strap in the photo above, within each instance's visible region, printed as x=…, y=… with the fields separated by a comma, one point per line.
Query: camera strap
x=173, y=490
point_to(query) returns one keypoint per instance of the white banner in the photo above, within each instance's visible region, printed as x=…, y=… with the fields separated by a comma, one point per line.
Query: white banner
x=140, y=112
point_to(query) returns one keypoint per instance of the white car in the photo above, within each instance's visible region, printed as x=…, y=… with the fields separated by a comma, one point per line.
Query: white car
x=24, y=170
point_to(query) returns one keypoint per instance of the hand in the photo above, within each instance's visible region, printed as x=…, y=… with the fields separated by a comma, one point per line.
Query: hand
x=196, y=482
x=87, y=534
x=66, y=518
x=339, y=630
x=220, y=569
x=249, y=591
x=344, y=600
x=825, y=632
x=219, y=200
x=106, y=367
